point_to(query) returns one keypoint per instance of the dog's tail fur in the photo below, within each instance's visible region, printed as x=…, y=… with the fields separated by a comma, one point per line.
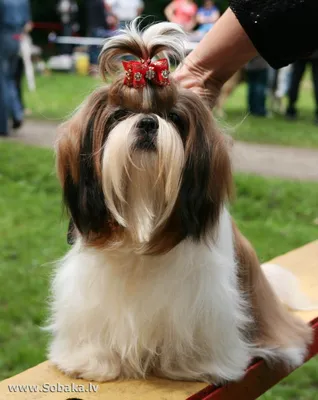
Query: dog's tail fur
x=286, y=287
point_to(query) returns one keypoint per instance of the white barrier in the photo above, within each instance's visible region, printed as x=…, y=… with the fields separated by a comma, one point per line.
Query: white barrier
x=89, y=41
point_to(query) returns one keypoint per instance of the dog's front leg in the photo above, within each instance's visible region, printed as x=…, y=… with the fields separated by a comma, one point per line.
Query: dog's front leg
x=80, y=345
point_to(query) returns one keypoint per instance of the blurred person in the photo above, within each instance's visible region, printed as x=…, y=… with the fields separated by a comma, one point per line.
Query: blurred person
x=97, y=27
x=14, y=16
x=279, y=84
x=21, y=67
x=280, y=31
x=298, y=70
x=125, y=10
x=207, y=16
x=257, y=80
x=182, y=12
x=112, y=20
x=68, y=10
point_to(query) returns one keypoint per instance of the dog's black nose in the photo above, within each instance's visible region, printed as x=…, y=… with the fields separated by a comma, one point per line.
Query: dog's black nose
x=148, y=124
x=147, y=132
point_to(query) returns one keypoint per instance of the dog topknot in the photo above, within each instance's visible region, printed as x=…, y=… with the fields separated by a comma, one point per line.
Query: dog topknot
x=143, y=44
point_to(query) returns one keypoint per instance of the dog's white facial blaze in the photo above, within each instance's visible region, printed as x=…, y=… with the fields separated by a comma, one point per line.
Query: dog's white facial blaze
x=140, y=186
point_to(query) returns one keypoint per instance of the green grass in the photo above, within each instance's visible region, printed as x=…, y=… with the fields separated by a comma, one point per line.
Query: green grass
x=58, y=95
x=276, y=215
x=275, y=129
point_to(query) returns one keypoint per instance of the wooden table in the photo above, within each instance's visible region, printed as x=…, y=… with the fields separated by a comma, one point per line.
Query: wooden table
x=259, y=378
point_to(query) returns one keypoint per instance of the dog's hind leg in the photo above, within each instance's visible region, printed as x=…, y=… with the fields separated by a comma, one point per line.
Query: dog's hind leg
x=278, y=335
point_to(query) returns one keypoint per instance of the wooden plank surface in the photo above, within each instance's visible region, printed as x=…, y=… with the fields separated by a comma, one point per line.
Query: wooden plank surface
x=303, y=262
x=259, y=379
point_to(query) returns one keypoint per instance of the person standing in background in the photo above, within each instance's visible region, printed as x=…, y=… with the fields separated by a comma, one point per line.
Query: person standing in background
x=298, y=70
x=14, y=16
x=182, y=12
x=21, y=68
x=257, y=79
x=68, y=10
x=97, y=27
x=207, y=16
x=125, y=10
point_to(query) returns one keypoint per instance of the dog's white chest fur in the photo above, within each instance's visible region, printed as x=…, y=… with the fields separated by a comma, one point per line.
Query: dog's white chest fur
x=178, y=314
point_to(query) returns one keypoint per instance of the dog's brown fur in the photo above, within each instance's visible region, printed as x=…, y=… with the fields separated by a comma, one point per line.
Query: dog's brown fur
x=275, y=326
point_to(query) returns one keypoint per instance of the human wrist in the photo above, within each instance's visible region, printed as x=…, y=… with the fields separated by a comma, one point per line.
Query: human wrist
x=205, y=73
x=223, y=51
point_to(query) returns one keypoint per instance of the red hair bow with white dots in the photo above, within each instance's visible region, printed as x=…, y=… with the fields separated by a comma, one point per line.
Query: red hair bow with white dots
x=138, y=73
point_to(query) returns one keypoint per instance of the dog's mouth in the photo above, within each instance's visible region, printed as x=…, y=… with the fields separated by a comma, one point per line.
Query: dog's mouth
x=147, y=131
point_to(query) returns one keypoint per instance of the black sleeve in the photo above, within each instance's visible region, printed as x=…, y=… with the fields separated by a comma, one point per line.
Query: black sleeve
x=281, y=30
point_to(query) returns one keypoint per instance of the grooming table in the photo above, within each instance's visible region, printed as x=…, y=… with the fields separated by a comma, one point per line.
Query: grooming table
x=259, y=378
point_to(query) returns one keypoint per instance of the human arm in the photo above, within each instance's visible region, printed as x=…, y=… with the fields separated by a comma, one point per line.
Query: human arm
x=169, y=11
x=141, y=8
x=28, y=24
x=281, y=31
x=222, y=51
x=28, y=27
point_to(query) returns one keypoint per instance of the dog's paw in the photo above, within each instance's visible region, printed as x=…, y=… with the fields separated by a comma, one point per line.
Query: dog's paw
x=103, y=373
x=85, y=365
x=92, y=371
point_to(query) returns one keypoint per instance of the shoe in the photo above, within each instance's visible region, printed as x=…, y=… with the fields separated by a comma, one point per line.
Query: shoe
x=17, y=124
x=291, y=114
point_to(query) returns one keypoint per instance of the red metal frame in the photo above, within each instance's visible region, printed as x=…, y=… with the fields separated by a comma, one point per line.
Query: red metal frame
x=258, y=379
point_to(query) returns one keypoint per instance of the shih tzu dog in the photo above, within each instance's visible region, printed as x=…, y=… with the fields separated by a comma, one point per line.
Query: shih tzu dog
x=159, y=280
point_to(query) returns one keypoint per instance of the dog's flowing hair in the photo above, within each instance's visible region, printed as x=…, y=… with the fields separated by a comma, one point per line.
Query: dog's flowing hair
x=150, y=199
x=159, y=279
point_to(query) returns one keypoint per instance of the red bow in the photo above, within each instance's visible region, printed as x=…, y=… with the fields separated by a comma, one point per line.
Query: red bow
x=138, y=72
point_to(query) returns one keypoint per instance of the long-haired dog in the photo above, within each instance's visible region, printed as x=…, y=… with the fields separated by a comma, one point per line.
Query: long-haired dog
x=160, y=280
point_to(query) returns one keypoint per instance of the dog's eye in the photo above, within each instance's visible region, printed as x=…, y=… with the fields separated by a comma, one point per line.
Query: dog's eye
x=174, y=118
x=179, y=123
x=118, y=115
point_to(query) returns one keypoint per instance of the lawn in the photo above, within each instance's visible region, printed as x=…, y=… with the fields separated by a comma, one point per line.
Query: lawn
x=275, y=129
x=276, y=215
x=64, y=92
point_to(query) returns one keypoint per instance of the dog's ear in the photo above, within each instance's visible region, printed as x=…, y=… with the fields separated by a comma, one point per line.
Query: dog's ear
x=207, y=179
x=78, y=163
x=71, y=238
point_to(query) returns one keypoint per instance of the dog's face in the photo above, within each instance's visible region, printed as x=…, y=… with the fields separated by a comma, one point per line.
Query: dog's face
x=143, y=167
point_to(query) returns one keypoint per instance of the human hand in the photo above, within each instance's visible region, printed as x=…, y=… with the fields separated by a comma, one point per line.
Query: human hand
x=28, y=27
x=201, y=81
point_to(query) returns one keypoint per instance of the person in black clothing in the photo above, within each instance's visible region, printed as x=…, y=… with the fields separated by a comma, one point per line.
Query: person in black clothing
x=68, y=10
x=298, y=71
x=96, y=25
x=14, y=17
x=257, y=76
x=281, y=31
